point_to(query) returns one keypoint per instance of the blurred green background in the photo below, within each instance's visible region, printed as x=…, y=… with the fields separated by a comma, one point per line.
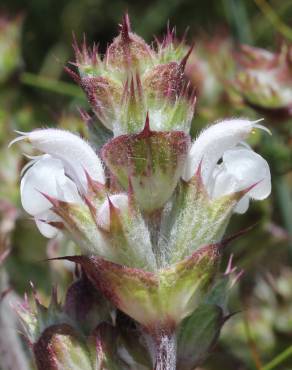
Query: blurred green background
x=35, y=91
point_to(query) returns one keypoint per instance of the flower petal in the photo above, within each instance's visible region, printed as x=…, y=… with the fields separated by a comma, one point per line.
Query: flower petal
x=221, y=183
x=213, y=142
x=46, y=176
x=242, y=206
x=75, y=153
x=249, y=168
x=46, y=229
x=241, y=169
x=40, y=177
x=67, y=190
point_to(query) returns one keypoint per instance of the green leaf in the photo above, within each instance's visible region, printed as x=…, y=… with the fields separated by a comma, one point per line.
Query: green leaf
x=197, y=335
x=219, y=293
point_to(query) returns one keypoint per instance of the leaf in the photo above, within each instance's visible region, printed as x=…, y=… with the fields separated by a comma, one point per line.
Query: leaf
x=197, y=335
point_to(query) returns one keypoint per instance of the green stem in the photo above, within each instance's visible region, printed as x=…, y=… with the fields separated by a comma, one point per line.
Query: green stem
x=274, y=18
x=279, y=359
x=251, y=343
x=285, y=204
x=238, y=19
x=49, y=84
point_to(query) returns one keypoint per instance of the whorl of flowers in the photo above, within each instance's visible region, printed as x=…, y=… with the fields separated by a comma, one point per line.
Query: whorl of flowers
x=150, y=212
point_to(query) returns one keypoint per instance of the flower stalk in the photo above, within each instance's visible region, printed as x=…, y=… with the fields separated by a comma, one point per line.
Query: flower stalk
x=165, y=350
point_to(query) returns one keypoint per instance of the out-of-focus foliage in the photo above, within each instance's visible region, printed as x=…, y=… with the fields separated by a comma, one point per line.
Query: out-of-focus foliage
x=35, y=43
x=10, y=52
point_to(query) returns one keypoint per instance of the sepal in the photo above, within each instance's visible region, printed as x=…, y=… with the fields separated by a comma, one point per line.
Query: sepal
x=70, y=337
x=128, y=51
x=152, y=160
x=221, y=289
x=126, y=233
x=170, y=48
x=36, y=318
x=118, y=235
x=197, y=219
x=103, y=345
x=80, y=222
x=104, y=95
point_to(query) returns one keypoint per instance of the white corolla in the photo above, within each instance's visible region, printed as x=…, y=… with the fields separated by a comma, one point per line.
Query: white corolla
x=240, y=168
x=227, y=166
x=60, y=173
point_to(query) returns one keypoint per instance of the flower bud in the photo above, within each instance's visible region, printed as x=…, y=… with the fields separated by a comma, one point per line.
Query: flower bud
x=128, y=50
x=164, y=80
x=104, y=95
x=134, y=78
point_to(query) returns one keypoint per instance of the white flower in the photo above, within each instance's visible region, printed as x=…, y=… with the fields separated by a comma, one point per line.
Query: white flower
x=60, y=173
x=43, y=223
x=241, y=168
x=46, y=175
x=76, y=155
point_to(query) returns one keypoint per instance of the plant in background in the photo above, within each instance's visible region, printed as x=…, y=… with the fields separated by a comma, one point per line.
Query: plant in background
x=271, y=299
x=209, y=66
x=10, y=55
x=11, y=351
x=149, y=214
x=264, y=80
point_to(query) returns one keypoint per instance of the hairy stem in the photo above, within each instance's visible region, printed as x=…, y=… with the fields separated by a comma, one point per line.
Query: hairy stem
x=165, y=352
